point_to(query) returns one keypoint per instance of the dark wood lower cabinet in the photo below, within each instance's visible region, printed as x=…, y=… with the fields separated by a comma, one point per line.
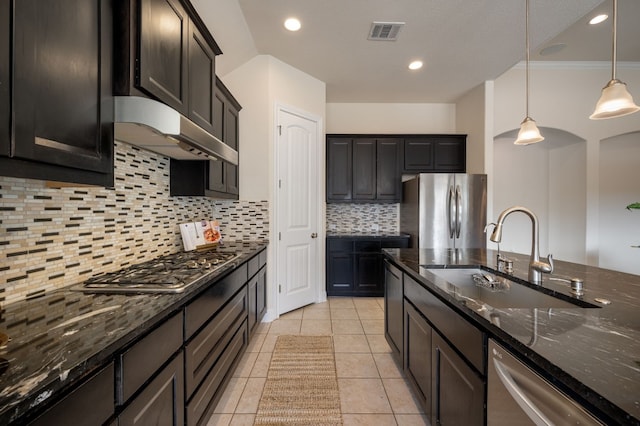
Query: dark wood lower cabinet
x=442, y=354
x=417, y=355
x=393, y=293
x=162, y=400
x=458, y=391
x=355, y=264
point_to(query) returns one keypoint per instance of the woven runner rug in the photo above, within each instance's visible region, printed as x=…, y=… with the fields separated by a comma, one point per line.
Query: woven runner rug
x=301, y=386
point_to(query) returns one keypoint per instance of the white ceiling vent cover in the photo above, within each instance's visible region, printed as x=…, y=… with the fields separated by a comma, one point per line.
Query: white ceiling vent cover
x=385, y=31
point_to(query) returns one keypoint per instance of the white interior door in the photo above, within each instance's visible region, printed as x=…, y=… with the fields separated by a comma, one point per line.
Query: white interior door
x=297, y=211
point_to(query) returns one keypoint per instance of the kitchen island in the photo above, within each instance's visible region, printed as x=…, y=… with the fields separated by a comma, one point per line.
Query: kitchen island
x=592, y=354
x=56, y=342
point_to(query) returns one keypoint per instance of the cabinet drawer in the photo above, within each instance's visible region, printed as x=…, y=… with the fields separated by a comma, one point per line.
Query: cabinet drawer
x=211, y=300
x=465, y=337
x=205, y=348
x=340, y=245
x=91, y=403
x=207, y=396
x=395, y=243
x=144, y=358
x=367, y=246
x=253, y=266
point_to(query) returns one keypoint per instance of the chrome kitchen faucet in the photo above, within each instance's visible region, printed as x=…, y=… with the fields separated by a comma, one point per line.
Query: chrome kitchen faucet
x=536, y=266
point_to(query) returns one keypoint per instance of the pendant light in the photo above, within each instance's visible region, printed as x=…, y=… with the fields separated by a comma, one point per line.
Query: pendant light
x=529, y=132
x=615, y=100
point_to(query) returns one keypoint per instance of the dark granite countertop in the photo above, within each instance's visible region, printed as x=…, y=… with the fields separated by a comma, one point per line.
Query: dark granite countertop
x=593, y=354
x=62, y=337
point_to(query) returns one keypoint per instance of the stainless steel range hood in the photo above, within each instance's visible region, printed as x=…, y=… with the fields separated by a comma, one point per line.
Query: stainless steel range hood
x=152, y=125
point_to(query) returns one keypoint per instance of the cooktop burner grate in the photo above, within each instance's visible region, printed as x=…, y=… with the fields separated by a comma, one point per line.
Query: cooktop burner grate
x=167, y=274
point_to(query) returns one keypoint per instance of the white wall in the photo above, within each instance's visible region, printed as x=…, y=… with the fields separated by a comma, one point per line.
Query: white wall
x=619, y=227
x=562, y=96
x=259, y=85
x=391, y=118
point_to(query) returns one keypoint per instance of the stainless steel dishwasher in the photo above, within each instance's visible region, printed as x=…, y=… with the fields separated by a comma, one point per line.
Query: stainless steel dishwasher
x=516, y=395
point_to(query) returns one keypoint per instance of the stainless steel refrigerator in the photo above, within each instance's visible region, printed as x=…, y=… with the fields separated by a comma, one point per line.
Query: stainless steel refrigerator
x=442, y=210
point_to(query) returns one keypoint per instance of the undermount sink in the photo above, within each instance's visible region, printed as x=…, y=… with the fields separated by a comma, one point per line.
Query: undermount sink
x=496, y=291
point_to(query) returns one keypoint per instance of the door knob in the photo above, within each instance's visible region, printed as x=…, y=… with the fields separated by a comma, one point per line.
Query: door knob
x=314, y=235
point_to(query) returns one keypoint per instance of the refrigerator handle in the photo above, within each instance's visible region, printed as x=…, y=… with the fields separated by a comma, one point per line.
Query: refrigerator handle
x=458, y=211
x=451, y=216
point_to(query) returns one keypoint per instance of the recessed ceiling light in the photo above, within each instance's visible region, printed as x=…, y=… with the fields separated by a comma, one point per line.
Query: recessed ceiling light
x=415, y=65
x=598, y=19
x=292, y=24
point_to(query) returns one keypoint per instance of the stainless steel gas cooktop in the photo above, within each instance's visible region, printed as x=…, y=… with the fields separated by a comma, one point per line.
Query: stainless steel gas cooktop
x=167, y=274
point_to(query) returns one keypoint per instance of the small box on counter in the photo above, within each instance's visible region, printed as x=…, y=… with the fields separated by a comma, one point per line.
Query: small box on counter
x=199, y=234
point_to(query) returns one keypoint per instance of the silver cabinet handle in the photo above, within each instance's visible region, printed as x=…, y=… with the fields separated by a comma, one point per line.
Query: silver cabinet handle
x=314, y=235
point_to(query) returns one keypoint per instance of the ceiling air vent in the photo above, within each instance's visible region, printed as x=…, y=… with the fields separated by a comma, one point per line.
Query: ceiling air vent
x=387, y=31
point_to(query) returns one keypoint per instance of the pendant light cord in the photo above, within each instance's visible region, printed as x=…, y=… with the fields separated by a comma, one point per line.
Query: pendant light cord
x=527, y=63
x=615, y=36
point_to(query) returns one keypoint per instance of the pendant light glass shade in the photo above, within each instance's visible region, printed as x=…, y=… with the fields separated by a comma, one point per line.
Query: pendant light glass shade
x=615, y=100
x=528, y=133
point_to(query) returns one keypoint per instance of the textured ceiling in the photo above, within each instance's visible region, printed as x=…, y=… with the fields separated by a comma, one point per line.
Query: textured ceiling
x=462, y=42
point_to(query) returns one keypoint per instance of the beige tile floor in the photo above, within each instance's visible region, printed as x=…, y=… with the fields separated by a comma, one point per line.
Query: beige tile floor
x=373, y=390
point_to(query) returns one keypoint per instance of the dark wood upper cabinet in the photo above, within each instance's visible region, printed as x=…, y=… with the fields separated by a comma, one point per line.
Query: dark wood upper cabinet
x=339, y=166
x=202, y=77
x=435, y=153
x=364, y=168
x=61, y=103
x=215, y=179
x=223, y=179
x=164, y=51
x=389, y=168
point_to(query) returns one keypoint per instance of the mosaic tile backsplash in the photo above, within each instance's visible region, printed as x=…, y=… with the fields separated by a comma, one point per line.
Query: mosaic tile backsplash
x=54, y=237
x=355, y=219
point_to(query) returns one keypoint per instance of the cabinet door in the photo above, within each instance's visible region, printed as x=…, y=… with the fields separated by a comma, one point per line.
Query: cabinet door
x=339, y=273
x=162, y=400
x=368, y=274
x=231, y=139
x=62, y=81
x=458, y=392
x=393, y=304
x=364, y=169
x=417, y=355
x=217, y=172
x=451, y=154
x=202, y=79
x=5, y=58
x=389, y=169
x=339, y=169
x=419, y=155
x=252, y=287
x=162, y=60
x=261, y=295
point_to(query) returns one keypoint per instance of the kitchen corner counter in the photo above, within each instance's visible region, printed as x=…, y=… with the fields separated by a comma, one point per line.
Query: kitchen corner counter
x=62, y=337
x=593, y=354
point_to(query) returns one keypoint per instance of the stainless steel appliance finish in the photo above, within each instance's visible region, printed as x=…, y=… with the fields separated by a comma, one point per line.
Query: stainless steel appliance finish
x=167, y=274
x=516, y=395
x=157, y=127
x=445, y=210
